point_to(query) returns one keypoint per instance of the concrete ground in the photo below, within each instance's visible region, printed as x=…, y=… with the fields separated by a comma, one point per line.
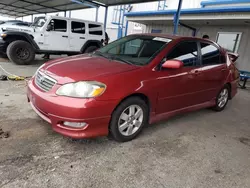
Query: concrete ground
x=202, y=149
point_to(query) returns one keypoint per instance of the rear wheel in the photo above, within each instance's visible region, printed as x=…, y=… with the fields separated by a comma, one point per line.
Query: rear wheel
x=20, y=52
x=222, y=99
x=128, y=119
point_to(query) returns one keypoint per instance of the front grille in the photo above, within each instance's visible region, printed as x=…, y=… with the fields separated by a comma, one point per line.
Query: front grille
x=44, y=82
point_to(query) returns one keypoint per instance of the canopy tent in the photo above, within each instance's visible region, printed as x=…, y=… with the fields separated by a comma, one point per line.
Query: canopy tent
x=20, y=8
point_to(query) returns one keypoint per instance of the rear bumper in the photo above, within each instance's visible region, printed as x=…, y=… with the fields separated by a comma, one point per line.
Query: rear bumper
x=234, y=88
x=56, y=110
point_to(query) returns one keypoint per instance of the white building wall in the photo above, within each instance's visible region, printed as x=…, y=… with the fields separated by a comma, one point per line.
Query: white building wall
x=168, y=29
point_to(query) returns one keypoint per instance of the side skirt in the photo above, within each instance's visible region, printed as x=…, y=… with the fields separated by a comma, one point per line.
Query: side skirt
x=164, y=116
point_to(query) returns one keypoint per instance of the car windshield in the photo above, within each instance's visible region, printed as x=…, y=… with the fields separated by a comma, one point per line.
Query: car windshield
x=39, y=22
x=135, y=49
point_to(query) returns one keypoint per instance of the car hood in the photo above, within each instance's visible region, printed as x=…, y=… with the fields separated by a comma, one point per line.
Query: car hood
x=84, y=67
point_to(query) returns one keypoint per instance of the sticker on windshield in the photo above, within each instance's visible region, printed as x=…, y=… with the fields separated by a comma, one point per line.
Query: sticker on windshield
x=162, y=39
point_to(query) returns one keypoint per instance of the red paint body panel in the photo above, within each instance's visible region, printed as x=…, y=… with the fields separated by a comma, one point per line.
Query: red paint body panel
x=56, y=109
x=169, y=92
x=84, y=67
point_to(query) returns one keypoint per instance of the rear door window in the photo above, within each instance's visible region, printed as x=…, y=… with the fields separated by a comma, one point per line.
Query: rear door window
x=95, y=29
x=210, y=54
x=78, y=27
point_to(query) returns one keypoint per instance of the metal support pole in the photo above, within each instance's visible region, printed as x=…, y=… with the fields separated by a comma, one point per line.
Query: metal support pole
x=105, y=18
x=126, y=29
x=159, y=5
x=177, y=17
x=120, y=27
x=32, y=19
x=70, y=14
x=96, y=14
x=65, y=14
x=123, y=18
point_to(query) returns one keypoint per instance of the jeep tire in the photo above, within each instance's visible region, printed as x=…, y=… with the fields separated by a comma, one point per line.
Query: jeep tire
x=91, y=49
x=20, y=52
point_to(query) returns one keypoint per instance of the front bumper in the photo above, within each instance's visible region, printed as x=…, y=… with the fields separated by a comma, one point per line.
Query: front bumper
x=58, y=109
x=3, y=47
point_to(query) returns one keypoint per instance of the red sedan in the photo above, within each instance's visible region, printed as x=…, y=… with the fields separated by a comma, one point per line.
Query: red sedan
x=131, y=82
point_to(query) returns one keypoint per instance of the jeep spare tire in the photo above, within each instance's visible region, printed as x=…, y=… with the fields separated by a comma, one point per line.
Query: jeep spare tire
x=20, y=52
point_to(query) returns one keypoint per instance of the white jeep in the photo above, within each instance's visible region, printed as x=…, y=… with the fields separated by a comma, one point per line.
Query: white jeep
x=51, y=35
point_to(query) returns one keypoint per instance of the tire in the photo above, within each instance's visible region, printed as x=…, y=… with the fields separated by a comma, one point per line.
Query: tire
x=221, y=102
x=133, y=126
x=20, y=52
x=91, y=49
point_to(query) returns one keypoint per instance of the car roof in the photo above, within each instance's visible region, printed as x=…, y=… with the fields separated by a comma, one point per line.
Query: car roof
x=158, y=35
x=173, y=37
x=73, y=19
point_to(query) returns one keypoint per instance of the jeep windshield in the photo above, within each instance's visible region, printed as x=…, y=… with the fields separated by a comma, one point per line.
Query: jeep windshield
x=39, y=22
x=135, y=49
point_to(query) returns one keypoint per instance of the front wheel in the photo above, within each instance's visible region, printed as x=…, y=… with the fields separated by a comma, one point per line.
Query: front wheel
x=222, y=99
x=21, y=52
x=128, y=119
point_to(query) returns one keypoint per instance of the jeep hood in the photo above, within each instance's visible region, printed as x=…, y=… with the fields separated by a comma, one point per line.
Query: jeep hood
x=25, y=29
x=84, y=67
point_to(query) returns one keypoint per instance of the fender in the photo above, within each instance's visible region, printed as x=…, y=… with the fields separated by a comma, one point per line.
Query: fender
x=86, y=45
x=17, y=35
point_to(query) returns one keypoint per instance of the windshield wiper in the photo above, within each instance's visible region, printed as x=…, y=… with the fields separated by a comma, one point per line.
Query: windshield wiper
x=122, y=60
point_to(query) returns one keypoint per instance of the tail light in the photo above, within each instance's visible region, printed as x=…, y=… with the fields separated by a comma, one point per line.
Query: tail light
x=233, y=56
x=233, y=69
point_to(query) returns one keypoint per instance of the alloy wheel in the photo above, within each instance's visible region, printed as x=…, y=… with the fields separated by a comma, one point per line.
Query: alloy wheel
x=130, y=120
x=22, y=53
x=223, y=98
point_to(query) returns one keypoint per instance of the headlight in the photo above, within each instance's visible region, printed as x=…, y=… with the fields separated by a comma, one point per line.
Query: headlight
x=3, y=35
x=83, y=89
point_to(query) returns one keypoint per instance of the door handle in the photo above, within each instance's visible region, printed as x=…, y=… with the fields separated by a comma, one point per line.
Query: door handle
x=223, y=70
x=82, y=37
x=65, y=36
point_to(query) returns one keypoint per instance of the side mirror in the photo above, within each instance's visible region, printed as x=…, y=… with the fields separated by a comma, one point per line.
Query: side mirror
x=172, y=64
x=49, y=28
